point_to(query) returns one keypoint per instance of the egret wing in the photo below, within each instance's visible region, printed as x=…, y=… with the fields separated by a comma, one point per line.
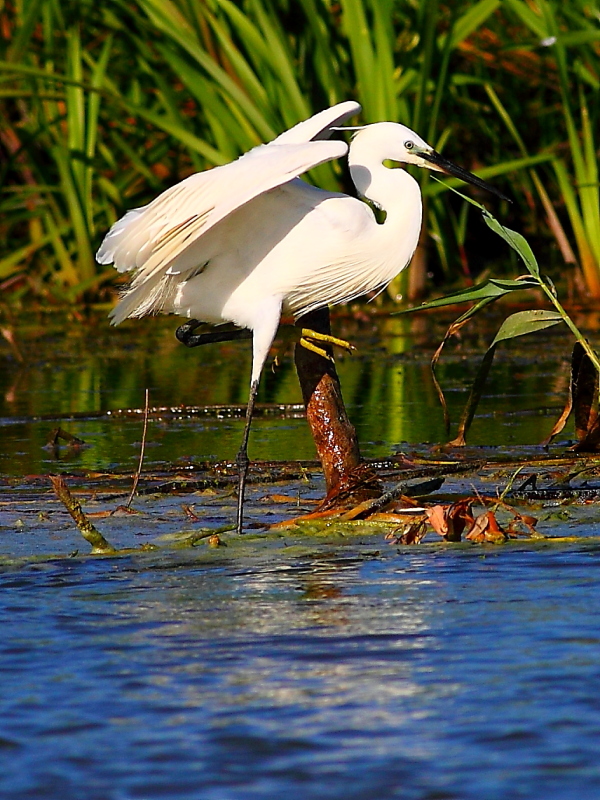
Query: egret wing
x=153, y=236
x=320, y=125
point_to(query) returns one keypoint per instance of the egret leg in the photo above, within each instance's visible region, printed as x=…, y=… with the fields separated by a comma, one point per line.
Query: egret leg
x=308, y=339
x=242, y=461
x=185, y=334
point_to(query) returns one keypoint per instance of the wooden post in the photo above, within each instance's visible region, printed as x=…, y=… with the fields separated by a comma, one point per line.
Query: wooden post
x=333, y=433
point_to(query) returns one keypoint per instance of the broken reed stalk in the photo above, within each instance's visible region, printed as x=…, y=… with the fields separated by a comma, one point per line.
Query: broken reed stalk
x=91, y=534
x=138, y=472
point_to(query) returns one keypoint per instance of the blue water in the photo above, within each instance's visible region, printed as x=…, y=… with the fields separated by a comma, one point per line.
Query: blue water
x=351, y=673
x=357, y=672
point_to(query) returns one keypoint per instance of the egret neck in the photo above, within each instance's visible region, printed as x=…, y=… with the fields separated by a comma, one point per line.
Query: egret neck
x=392, y=189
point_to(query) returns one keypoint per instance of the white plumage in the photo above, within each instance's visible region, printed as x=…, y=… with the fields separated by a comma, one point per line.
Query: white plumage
x=245, y=241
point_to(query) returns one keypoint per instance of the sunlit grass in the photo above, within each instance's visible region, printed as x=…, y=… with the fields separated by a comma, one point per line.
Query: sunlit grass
x=105, y=106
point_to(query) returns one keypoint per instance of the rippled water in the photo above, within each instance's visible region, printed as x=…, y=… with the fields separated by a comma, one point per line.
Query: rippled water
x=342, y=670
x=454, y=674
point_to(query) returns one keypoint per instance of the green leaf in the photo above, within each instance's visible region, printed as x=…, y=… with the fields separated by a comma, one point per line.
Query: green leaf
x=529, y=17
x=514, y=285
x=516, y=241
x=526, y=322
x=21, y=38
x=491, y=290
x=579, y=37
x=473, y=18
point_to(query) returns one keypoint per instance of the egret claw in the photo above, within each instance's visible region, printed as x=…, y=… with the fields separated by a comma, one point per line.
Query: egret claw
x=315, y=348
x=307, y=334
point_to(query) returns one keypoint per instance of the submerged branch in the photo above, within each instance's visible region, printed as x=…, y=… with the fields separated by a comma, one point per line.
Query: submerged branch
x=91, y=534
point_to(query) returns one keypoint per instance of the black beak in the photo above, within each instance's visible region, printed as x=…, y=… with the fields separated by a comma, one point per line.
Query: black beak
x=458, y=172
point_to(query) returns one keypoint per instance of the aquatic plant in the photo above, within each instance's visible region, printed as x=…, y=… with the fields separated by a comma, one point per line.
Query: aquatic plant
x=585, y=361
x=105, y=105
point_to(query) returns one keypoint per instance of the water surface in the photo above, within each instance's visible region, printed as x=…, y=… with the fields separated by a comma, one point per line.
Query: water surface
x=457, y=674
x=87, y=368
x=318, y=669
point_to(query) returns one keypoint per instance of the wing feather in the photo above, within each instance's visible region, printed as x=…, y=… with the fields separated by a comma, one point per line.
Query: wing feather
x=320, y=125
x=151, y=238
x=341, y=282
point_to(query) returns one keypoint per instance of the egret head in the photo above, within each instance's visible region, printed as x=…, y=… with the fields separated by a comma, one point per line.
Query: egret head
x=390, y=140
x=430, y=159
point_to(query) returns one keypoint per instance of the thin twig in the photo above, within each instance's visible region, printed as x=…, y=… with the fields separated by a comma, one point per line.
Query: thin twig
x=89, y=532
x=138, y=472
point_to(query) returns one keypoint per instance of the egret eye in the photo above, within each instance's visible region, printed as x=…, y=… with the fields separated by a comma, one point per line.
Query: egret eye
x=409, y=145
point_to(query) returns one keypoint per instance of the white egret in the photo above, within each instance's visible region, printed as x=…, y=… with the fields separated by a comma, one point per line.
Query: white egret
x=244, y=242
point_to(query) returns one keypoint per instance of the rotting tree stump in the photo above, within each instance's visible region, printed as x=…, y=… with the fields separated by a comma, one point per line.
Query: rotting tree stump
x=347, y=478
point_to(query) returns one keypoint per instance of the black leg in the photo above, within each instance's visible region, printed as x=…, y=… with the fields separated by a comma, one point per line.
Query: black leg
x=185, y=334
x=242, y=459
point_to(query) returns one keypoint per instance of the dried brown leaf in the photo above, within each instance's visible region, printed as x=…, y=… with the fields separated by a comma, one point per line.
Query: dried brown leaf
x=437, y=516
x=409, y=534
x=121, y=511
x=450, y=521
x=281, y=498
x=190, y=513
x=459, y=516
x=486, y=529
x=524, y=521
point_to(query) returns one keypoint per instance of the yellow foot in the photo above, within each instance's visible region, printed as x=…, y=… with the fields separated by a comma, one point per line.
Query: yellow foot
x=308, y=339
